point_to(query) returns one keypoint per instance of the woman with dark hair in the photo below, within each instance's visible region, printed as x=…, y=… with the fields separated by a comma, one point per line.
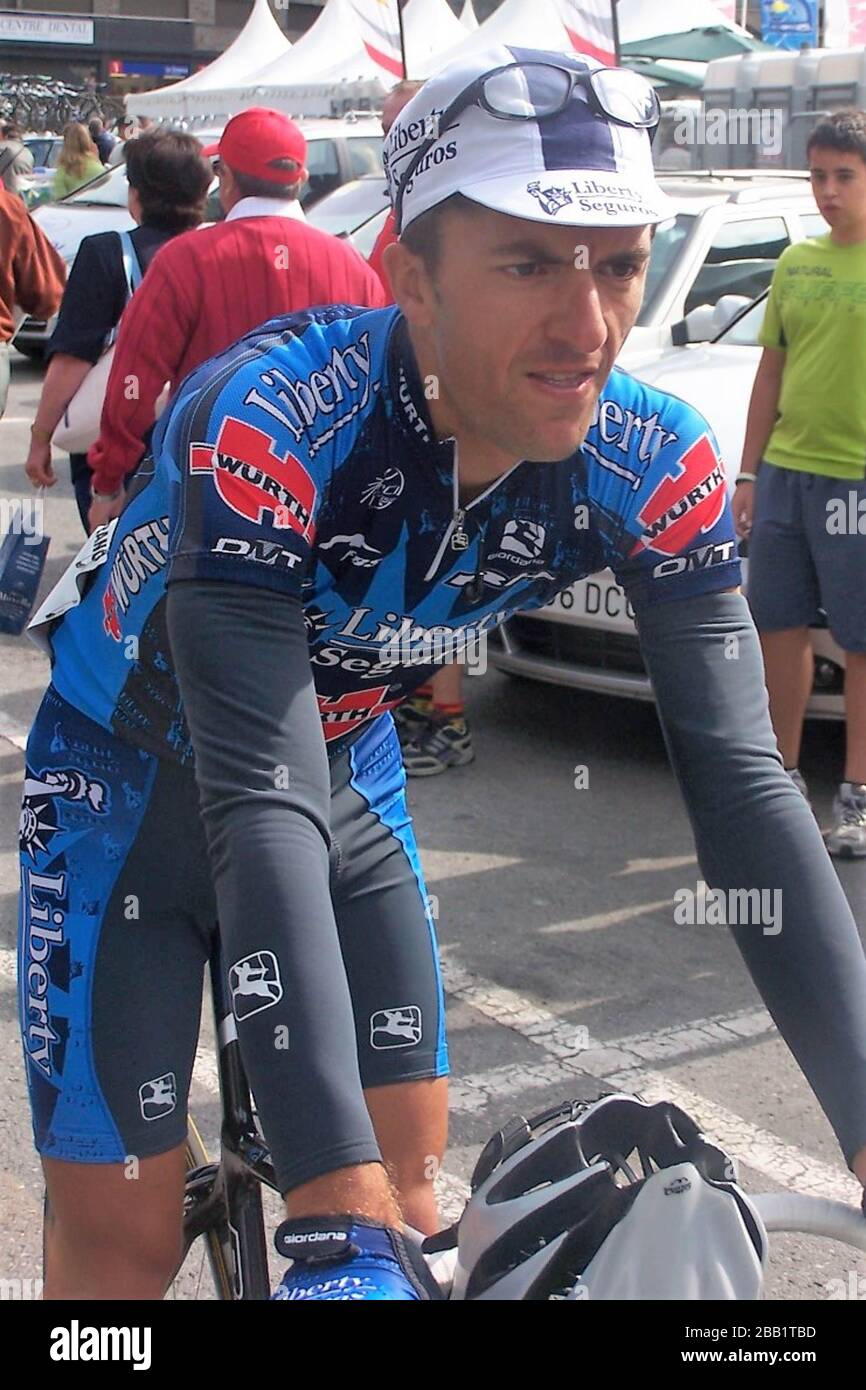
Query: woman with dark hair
x=79, y=160
x=168, y=184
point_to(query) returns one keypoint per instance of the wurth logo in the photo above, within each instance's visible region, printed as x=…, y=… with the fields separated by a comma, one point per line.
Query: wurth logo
x=341, y=715
x=140, y=555
x=686, y=506
x=253, y=480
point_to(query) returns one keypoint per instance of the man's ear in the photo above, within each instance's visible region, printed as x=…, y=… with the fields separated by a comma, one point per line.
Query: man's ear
x=411, y=284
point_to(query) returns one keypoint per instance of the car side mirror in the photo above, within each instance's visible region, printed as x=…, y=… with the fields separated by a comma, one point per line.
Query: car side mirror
x=707, y=321
x=696, y=327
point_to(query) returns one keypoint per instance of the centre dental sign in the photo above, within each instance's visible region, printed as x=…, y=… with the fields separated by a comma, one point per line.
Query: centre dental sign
x=43, y=28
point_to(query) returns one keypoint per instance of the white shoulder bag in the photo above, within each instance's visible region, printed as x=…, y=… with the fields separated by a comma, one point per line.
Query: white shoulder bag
x=79, y=426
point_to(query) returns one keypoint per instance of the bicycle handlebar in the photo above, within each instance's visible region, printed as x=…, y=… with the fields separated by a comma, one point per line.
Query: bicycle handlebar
x=813, y=1216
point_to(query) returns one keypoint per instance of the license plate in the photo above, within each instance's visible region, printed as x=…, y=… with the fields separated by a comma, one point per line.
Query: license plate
x=596, y=602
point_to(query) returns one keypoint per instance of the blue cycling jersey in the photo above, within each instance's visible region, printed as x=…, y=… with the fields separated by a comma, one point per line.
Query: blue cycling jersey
x=303, y=460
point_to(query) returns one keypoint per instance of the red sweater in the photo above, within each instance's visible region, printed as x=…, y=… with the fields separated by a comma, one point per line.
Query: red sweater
x=386, y=237
x=202, y=291
x=31, y=272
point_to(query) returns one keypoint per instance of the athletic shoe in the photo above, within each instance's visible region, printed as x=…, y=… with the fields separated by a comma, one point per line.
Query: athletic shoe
x=412, y=719
x=799, y=781
x=847, y=839
x=350, y=1260
x=445, y=743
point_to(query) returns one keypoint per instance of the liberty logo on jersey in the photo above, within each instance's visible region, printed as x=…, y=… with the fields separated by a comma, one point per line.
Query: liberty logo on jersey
x=685, y=506
x=252, y=479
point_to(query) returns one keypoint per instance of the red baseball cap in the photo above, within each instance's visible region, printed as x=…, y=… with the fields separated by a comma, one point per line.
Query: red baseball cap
x=255, y=140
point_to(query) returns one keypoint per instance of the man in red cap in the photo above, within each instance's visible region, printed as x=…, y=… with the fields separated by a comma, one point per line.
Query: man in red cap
x=207, y=288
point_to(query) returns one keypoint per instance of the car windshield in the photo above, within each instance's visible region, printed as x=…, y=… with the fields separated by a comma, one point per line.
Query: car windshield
x=744, y=331
x=364, y=238
x=668, y=242
x=347, y=208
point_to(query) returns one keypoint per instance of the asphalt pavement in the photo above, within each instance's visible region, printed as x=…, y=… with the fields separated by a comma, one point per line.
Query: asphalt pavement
x=565, y=969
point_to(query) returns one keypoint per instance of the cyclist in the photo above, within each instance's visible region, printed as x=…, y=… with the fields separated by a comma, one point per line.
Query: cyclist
x=332, y=504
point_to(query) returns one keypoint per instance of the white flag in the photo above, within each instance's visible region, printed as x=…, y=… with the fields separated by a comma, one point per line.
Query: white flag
x=590, y=27
x=380, y=29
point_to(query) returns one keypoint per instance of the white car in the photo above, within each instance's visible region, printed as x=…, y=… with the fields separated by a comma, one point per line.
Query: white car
x=338, y=152
x=586, y=637
x=729, y=230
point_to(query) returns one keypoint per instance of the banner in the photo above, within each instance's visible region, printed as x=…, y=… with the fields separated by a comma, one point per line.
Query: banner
x=590, y=27
x=43, y=28
x=380, y=30
x=789, y=23
x=857, y=24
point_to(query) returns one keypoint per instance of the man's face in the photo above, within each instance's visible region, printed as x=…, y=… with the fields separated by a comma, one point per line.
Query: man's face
x=525, y=321
x=839, y=185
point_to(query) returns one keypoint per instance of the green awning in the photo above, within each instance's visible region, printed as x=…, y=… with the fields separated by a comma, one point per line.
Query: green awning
x=661, y=76
x=696, y=45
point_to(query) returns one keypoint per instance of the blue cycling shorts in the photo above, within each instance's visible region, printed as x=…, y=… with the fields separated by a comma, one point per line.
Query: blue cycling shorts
x=118, y=920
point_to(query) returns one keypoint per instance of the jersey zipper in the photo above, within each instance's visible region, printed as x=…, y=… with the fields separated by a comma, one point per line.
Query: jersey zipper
x=456, y=536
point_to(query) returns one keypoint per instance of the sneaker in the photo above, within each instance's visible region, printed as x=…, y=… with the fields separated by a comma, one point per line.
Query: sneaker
x=444, y=744
x=847, y=838
x=339, y=1260
x=412, y=719
x=799, y=781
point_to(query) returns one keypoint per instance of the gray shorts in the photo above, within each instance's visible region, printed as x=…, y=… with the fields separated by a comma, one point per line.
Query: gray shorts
x=807, y=552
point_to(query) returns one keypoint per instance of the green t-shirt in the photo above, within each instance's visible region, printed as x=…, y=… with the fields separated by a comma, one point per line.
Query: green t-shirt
x=67, y=183
x=816, y=311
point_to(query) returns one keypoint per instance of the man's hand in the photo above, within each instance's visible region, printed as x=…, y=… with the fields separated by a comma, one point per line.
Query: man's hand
x=104, y=509
x=743, y=508
x=38, y=467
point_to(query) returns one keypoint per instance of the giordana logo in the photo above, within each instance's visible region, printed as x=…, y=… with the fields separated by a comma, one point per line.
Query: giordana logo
x=77, y=1343
x=311, y=1237
x=396, y=1027
x=253, y=479
x=158, y=1097
x=255, y=984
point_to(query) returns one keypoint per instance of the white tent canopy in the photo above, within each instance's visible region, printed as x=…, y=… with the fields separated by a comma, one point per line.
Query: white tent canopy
x=524, y=23
x=261, y=34
x=468, y=17
x=644, y=19
x=430, y=27
x=329, y=61
x=330, y=44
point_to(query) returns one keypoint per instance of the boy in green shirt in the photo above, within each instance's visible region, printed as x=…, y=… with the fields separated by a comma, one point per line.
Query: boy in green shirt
x=801, y=495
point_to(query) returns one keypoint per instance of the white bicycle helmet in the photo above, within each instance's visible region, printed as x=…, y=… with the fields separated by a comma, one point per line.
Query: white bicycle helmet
x=548, y=1192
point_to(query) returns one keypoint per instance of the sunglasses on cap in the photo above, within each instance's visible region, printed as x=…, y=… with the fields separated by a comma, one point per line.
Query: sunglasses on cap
x=535, y=91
